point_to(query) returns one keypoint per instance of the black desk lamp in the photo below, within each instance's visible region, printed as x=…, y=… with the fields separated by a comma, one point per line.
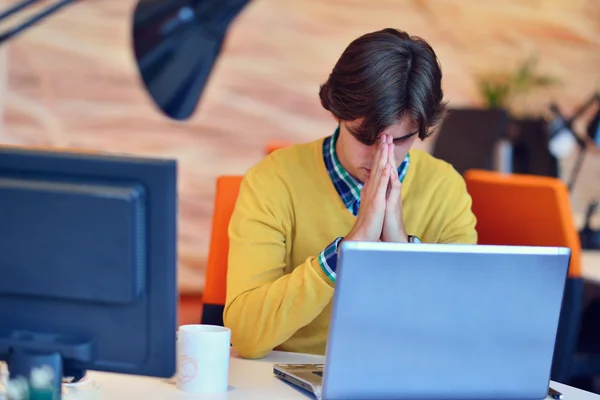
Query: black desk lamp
x=562, y=141
x=175, y=42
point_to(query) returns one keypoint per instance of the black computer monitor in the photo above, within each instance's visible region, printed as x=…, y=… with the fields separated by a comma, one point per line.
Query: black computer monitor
x=87, y=263
x=468, y=137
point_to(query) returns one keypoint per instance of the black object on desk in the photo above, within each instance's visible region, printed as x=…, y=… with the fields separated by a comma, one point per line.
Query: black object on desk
x=88, y=266
x=590, y=237
x=555, y=394
x=529, y=137
x=468, y=138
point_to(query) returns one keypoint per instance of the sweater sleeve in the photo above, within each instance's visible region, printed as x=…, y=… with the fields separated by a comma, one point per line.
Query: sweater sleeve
x=459, y=222
x=265, y=305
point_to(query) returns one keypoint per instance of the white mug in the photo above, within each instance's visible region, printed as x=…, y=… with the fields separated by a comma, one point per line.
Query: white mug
x=203, y=358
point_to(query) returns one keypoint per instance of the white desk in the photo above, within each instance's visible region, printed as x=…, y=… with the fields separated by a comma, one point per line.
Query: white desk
x=248, y=380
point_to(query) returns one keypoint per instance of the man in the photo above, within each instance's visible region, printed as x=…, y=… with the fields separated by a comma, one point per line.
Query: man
x=361, y=183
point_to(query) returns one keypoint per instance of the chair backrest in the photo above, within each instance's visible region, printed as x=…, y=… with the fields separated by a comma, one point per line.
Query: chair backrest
x=215, y=288
x=533, y=210
x=513, y=209
x=276, y=145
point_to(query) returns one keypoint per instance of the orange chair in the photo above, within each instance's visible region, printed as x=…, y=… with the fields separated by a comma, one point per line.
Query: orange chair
x=524, y=210
x=215, y=288
x=276, y=145
x=534, y=211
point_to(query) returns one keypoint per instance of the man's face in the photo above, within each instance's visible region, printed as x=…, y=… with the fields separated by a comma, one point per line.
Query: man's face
x=357, y=158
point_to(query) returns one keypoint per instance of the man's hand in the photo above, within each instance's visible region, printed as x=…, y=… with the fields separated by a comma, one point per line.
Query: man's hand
x=369, y=222
x=393, y=227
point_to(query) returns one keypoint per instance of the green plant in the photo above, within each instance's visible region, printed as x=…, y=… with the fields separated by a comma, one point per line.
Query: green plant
x=498, y=90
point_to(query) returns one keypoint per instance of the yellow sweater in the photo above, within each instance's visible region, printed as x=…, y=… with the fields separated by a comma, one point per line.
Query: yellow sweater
x=287, y=212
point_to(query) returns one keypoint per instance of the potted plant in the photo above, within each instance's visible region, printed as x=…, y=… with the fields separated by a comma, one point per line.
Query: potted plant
x=499, y=90
x=527, y=131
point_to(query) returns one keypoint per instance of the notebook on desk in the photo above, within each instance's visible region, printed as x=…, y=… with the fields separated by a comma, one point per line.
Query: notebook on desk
x=435, y=321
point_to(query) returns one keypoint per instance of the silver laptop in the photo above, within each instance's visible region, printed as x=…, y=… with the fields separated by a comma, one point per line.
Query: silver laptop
x=438, y=321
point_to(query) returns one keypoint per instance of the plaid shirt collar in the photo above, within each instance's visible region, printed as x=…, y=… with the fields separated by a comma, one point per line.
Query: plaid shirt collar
x=346, y=185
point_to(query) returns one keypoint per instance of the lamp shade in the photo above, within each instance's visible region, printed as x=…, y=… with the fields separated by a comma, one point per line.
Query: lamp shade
x=562, y=141
x=176, y=44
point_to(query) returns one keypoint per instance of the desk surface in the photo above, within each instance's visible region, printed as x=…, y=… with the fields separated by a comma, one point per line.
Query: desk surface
x=248, y=380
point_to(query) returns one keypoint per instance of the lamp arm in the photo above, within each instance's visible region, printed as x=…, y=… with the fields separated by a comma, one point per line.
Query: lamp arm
x=36, y=18
x=583, y=108
x=568, y=123
x=576, y=168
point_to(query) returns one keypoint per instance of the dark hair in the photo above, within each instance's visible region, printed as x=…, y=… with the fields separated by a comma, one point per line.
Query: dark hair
x=381, y=77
